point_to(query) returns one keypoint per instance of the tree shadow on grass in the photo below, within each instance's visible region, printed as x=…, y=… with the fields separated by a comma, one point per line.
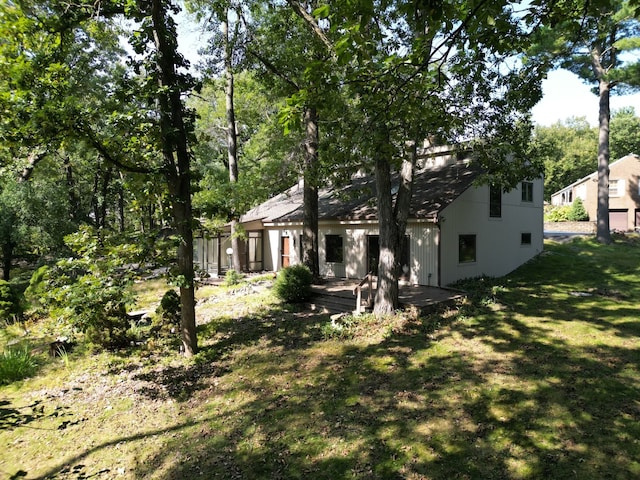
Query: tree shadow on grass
x=494, y=396
x=13, y=417
x=279, y=327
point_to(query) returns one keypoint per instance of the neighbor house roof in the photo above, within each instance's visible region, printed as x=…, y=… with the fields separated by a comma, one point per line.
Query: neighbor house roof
x=433, y=190
x=594, y=175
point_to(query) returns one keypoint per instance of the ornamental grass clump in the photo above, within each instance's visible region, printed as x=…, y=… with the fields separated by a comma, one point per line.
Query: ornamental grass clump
x=293, y=284
x=16, y=363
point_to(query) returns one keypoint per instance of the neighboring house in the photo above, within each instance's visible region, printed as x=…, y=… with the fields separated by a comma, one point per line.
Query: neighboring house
x=624, y=194
x=455, y=229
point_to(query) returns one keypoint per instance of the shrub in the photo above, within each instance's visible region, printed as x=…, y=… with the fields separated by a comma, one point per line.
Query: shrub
x=557, y=214
x=11, y=304
x=16, y=364
x=577, y=212
x=293, y=284
x=167, y=319
x=90, y=293
x=340, y=329
x=232, y=277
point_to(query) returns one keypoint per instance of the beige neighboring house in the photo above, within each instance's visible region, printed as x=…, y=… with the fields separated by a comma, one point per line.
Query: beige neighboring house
x=624, y=194
x=456, y=229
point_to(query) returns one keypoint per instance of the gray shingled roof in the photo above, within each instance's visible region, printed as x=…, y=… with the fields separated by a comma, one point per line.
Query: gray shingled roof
x=433, y=190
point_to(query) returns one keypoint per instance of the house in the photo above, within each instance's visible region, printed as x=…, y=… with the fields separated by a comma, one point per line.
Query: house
x=456, y=229
x=624, y=194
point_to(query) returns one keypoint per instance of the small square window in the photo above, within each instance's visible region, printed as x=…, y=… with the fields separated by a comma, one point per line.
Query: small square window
x=333, y=245
x=466, y=248
x=527, y=191
x=525, y=239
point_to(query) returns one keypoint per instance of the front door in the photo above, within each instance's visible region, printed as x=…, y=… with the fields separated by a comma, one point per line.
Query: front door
x=284, y=251
x=373, y=255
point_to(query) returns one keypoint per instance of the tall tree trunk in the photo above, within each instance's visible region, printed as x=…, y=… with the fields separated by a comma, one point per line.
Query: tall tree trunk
x=232, y=137
x=7, y=259
x=603, y=233
x=104, y=196
x=310, y=193
x=121, y=221
x=74, y=204
x=392, y=220
x=386, y=300
x=177, y=165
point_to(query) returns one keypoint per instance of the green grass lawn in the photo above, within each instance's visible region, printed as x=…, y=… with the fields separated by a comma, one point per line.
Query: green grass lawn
x=537, y=377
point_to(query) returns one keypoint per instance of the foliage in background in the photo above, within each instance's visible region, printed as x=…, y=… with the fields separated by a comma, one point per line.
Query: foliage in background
x=566, y=213
x=11, y=302
x=265, y=159
x=556, y=213
x=293, y=284
x=624, y=133
x=89, y=293
x=568, y=150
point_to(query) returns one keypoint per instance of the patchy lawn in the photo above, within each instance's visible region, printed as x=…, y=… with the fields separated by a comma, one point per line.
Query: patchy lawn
x=537, y=377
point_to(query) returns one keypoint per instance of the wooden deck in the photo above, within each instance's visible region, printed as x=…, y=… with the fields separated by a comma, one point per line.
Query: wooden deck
x=417, y=296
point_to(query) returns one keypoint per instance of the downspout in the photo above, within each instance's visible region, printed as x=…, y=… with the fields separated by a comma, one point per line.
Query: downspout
x=439, y=239
x=218, y=270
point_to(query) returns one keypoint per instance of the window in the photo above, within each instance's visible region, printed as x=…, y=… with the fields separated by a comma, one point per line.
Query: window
x=333, y=244
x=495, y=201
x=254, y=251
x=466, y=248
x=527, y=191
x=615, y=188
x=525, y=239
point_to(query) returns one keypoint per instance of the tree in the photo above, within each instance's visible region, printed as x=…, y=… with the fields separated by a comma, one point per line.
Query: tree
x=587, y=38
x=295, y=59
x=567, y=150
x=435, y=71
x=625, y=133
x=139, y=122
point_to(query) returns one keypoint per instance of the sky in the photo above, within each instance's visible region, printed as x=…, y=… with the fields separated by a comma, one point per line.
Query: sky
x=565, y=96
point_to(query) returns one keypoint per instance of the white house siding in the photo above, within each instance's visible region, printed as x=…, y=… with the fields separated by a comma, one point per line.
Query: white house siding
x=498, y=241
x=272, y=243
x=334, y=269
x=423, y=245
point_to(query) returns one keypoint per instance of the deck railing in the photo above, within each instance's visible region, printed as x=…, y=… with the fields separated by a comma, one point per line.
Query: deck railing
x=357, y=291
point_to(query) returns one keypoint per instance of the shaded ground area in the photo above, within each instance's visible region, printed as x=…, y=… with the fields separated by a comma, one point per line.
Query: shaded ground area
x=527, y=381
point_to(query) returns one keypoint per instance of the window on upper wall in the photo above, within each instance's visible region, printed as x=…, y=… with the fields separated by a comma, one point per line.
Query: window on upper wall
x=527, y=191
x=495, y=201
x=525, y=238
x=466, y=248
x=616, y=188
x=333, y=245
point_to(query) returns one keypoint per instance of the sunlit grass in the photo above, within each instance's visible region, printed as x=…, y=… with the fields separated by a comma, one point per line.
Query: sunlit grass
x=538, y=377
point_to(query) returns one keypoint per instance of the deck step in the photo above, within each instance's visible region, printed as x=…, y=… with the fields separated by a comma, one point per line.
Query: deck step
x=326, y=303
